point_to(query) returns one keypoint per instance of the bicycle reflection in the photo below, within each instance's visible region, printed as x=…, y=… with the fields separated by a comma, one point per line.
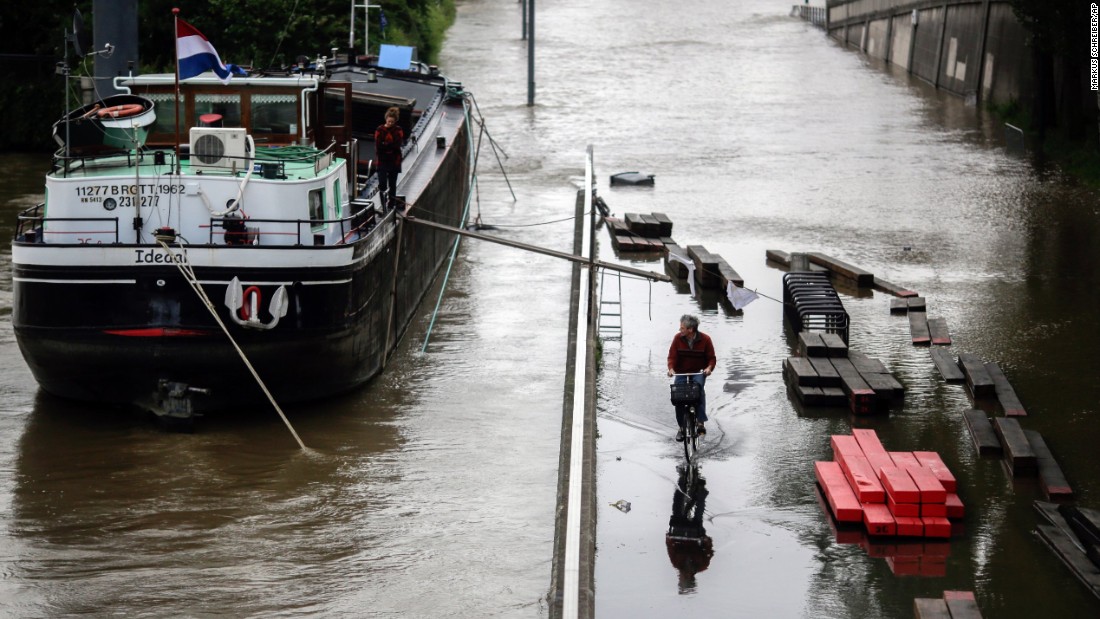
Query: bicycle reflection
x=689, y=546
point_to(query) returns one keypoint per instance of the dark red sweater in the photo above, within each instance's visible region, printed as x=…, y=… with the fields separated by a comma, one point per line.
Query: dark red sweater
x=683, y=358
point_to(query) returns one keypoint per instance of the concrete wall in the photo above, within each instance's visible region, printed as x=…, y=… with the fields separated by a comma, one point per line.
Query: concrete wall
x=973, y=48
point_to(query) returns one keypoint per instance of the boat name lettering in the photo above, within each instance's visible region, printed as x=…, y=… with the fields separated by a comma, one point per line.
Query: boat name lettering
x=150, y=256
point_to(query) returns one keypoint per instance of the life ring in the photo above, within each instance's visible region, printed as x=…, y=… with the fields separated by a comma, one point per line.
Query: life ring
x=120, y=111
x=246, y=309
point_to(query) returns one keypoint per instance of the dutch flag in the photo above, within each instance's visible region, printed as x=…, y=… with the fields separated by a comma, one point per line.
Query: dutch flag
x=196, y=54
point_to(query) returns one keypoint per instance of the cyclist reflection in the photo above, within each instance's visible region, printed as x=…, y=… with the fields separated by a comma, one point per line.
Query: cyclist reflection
x=689, y=546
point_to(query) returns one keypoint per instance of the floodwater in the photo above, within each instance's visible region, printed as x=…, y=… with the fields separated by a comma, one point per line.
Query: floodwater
x=430, y=493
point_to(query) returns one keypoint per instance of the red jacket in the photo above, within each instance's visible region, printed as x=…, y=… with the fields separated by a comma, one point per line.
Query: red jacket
x=684, y=359
x=387, y=147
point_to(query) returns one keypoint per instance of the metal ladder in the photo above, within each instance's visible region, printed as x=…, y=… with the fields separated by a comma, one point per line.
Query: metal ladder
x=611, y=307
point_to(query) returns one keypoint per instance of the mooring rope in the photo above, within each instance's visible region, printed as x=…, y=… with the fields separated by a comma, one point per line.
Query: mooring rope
x=189, y=275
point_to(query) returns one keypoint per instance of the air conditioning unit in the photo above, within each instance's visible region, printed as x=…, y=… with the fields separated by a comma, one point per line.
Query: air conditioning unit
x=218, y=149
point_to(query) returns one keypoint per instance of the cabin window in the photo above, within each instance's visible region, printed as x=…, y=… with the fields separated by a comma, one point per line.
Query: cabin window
x=337, y=207
x=165, y=108
x=227, y=107
x=275, y=114
x=317, y=208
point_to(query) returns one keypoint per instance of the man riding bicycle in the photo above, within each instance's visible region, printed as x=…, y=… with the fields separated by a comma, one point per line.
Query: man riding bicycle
x=691, y=352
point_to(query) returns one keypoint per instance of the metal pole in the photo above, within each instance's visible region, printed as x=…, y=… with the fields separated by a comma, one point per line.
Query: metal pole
x=523, y=18
x=531, y=54
x=351, y=30
x=542, y=250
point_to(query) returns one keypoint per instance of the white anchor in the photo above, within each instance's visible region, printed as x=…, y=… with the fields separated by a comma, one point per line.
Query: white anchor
x=235, y=299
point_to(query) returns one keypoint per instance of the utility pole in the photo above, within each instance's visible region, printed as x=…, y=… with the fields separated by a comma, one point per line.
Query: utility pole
x=531, y=53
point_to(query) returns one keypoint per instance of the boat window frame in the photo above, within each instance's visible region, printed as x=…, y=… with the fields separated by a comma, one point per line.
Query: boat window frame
x=188, y=119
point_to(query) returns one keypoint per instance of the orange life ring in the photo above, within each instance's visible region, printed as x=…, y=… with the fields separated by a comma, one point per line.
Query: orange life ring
x=246, y=309
x=120, y=111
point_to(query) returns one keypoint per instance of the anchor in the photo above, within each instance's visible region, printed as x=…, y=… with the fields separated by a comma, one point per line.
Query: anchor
x=244, y=305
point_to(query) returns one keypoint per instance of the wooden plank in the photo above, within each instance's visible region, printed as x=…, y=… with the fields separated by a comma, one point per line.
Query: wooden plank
x=937, y=328
x=651, y=228
x=903, y=459
x=932, y=461
x=930, y=608
x=678, y=268
x=916, y=304
x=886, y=387
x=930, y=488
x=918, y=328
x=947, y=366
x=906, y=510
x=1079, y=564
x=868, y=441
x=899, y=305
x=878, y=520
x=866, y=486
x=838, y=493
x=1051, y=478
x=898, y=485
x=955, y=507
x=863, y=279
x=981, y=431
x=728, y=275
x=934, y=509
x=810, y=344
x=1006, y=395
x=834, y=345
x=844, y=445
x=635, y=223
x=1018, y=454
x=861, y=398
x=833, y=396
x=826, y=374
x=909, y=526
x=891, y=288
x=706, y=266
x=1085, y=522
x=778, y=256
x=809, y=396
x=977, y=378
x=865, y=364
x=664, y=224
x=962, y=605
x=935, y=526
x=799, y=370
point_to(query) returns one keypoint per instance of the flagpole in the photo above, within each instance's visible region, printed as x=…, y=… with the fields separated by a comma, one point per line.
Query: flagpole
x=176, y=105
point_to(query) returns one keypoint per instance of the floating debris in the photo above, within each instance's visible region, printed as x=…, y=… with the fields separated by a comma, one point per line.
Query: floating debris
x=621, y=505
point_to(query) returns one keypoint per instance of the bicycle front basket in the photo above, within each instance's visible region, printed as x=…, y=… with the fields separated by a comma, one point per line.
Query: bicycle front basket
x=686, y=393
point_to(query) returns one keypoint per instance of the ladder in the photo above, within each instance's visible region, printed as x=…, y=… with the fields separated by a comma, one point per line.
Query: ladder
x=611, y=307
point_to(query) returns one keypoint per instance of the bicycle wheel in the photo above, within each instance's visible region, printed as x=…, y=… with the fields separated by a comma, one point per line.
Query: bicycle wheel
x=689, y=434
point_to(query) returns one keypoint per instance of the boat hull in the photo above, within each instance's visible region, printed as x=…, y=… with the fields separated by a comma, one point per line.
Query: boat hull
x=113, y=333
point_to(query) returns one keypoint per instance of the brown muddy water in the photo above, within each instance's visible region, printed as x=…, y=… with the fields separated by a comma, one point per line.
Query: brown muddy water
x=430, y=493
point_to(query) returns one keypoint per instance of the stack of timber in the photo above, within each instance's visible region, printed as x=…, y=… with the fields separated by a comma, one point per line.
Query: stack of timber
x=1025, y=452
x=923, y=330
x=902, y=494
x=837, y=268
x=953, y=605
x=639, y=233
x=827, y=373
x=1073, y=534
x=711, y=270
x=985, y=380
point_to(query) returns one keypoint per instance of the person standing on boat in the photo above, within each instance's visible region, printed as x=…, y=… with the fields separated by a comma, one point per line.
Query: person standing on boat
x=388, y=138
x=692, y=351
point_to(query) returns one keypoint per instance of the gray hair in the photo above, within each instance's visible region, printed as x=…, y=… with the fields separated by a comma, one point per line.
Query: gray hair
x=690, y=321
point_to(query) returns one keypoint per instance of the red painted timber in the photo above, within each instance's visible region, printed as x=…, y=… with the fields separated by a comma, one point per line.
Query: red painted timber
x=935, y=526
x=868, y=441
x=931, y=460
x=838, y=493
x=843, y=445
x=862, y=478
x=908, y=526
x=933, y=509
x=899, y=485
x=903, y=459
x=955, y=507
x=879, y=460
x=931, y=490
x=907, y=510
x=878, y=519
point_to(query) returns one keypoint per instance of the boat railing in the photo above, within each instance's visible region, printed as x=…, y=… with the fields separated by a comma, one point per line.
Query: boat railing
x=31, y=224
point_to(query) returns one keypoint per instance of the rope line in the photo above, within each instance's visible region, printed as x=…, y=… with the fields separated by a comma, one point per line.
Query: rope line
x=189, y=274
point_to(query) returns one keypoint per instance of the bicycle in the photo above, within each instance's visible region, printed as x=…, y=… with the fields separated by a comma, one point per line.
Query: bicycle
x=685, y=397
